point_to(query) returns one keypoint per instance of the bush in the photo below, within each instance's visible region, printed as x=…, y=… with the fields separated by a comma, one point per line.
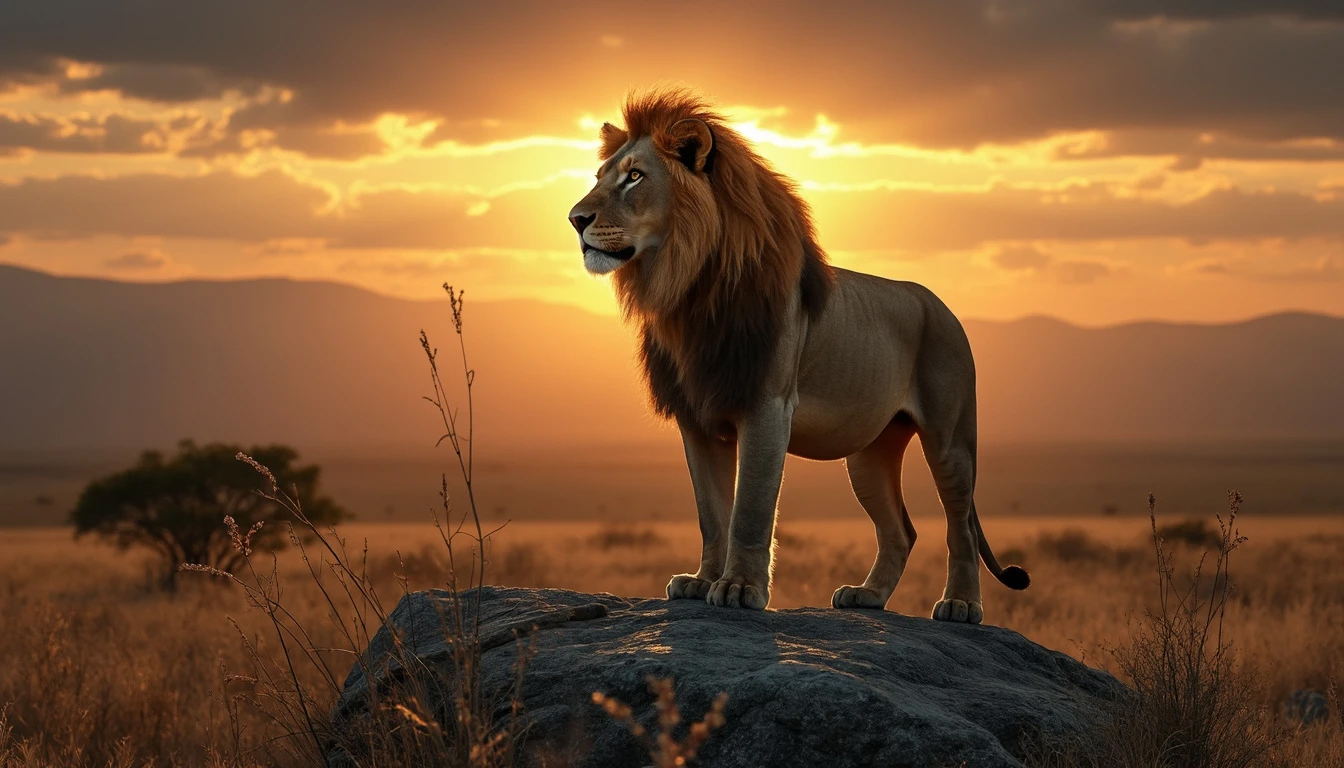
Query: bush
x=1071, y=545
x=1192, y=704
x=611, y=536
x=1194, y=533
x=174, y=506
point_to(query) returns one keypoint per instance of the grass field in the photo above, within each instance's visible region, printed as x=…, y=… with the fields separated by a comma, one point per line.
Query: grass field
x=101, y=670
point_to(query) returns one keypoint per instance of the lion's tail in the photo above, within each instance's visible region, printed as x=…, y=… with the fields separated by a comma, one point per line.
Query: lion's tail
x=1014, y=576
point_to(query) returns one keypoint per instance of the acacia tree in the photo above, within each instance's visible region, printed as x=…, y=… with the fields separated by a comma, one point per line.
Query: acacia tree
x=177, y=506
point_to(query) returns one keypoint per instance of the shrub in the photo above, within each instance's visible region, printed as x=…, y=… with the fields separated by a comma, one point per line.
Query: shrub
x=174, y=506
x=1192, y=704
x=1071, y=545
x=1193, y=533
x=611, y=536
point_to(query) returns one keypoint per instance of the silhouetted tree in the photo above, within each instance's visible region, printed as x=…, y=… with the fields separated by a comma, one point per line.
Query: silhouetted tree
x=177, y=506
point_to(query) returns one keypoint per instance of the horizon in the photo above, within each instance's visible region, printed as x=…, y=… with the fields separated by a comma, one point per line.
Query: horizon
x=615, y=313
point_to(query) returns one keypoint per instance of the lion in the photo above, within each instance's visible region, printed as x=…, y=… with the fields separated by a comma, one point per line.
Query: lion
x=756, y=347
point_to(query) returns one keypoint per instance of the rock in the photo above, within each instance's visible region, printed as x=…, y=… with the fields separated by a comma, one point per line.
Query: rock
x=806, y=687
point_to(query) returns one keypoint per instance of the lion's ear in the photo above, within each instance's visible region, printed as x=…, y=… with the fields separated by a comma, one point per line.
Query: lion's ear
x=692, y=142
x=613, y=138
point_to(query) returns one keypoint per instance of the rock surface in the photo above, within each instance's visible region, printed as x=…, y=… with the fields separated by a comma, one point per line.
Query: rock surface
x=806, y=687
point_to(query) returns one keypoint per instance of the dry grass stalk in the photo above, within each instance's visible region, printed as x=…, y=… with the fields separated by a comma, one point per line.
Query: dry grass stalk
x=1194, y=705
x=665, y=749
x=296, y=688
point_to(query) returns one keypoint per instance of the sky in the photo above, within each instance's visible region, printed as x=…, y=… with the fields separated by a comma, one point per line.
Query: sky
x=1099, y=161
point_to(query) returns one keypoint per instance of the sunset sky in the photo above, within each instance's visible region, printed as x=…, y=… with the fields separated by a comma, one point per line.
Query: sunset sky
x=1098, y=161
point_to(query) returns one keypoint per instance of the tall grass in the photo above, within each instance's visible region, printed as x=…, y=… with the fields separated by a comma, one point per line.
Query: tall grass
x=1194, y=704
x=412, y=721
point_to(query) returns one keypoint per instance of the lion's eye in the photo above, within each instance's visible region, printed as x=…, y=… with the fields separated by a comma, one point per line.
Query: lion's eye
x=636, y=176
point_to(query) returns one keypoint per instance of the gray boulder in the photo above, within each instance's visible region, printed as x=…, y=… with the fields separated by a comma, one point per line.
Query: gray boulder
x=806, y=687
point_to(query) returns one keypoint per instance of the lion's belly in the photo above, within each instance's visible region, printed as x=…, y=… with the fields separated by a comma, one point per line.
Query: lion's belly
x=825, y=430
x=857, y=368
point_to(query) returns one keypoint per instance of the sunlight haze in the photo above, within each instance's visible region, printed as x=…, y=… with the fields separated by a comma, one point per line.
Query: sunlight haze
x=1108, y=175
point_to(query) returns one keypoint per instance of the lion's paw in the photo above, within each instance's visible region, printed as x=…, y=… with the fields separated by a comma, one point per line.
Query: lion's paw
x=687, y=586
x=963, y=611
x=858, y=597
x=738, y=592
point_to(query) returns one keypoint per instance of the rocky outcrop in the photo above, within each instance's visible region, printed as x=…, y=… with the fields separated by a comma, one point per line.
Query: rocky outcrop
x=805, y=687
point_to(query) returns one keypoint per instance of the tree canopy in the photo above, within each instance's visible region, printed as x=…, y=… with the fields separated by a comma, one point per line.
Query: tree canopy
x=176, y=506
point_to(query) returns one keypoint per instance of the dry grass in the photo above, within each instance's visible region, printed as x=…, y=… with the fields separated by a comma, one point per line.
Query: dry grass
x=101, y=671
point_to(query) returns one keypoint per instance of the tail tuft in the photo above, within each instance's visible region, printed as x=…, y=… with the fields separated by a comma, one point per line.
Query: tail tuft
x=1015, y=577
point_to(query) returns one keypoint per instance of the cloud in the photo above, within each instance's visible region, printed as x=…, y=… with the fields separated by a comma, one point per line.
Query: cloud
x=138, y=261
x=1327, y=268
x=1028, y=259
x=274, y=206
x=285, y=123
x=1193, y=147
x=219, y=205
x=951, y=74
x=1019, y=257
x=485, y=266
x=112, y=133
x=159, y=82
x=921, y=219
x=1079, y=272
x=1216, y=9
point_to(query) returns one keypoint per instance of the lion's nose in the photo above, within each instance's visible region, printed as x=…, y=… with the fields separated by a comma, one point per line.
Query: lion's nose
x=580, y=222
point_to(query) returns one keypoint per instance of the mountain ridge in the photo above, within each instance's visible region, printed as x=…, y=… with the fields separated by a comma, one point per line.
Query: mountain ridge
x=16, y=269
x=89, y=362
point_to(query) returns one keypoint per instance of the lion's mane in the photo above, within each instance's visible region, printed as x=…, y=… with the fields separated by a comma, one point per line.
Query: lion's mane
x=712, y=302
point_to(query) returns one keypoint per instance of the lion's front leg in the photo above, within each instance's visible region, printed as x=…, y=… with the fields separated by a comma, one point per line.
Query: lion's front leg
x=763, y=440
x=713, y=466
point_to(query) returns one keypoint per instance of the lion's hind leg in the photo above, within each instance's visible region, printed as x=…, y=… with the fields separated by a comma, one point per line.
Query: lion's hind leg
x=875, y=476
x=952, y=461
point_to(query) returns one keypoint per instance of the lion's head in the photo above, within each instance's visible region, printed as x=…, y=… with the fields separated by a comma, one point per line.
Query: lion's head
x=679, y=194
x=707, y=244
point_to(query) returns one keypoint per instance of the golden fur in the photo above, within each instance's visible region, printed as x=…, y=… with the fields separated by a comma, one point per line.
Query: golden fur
x=740, y=242
x=750, y=220
x=757, y=348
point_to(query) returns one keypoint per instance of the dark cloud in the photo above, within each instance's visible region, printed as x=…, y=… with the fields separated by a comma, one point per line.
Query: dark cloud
x=286, y=125
x=274, y=206
x=219, y=205
x=1192, y=148
x=920, y=220
x=1186, y=163
x=1025, y=258
x=114, y=133
x=160, y=82
x=1222, y=9
x=954, y=73
x=137, y=261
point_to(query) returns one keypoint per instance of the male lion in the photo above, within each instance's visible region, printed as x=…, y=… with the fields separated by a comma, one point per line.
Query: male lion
x=757, y=348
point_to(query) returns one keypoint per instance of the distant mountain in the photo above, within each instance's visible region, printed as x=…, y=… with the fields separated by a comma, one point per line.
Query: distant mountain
x=99, y=364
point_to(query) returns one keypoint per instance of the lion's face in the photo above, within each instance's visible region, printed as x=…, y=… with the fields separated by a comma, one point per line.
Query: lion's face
x=626, y=215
